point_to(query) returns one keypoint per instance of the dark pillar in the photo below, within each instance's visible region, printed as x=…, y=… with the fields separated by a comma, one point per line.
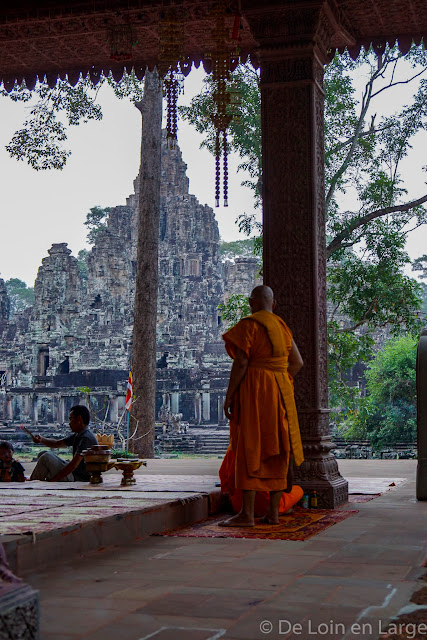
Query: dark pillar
x=292, y=55
x=422, y=417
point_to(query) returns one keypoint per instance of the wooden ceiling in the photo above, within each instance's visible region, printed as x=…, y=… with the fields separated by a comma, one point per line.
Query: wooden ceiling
x=58, y=37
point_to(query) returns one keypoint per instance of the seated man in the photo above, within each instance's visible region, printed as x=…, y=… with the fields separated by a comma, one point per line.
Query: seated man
x=51, y=467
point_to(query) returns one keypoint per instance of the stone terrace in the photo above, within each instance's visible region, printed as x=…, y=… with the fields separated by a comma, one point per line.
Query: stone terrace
x=361, y=570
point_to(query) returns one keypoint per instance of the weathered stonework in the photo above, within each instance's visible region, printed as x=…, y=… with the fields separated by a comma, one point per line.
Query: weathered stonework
x=4, y=302
x=79, y=331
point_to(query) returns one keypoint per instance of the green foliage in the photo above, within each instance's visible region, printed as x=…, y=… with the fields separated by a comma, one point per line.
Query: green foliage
x=21, y=297
x=236, y=308
x=96, y=222
x=368, y=288
x=245, y=127
x=237, y=248
x=85, y=390
x=420, y=264
x=82, y=262
x=41, y=140
x=389, y=414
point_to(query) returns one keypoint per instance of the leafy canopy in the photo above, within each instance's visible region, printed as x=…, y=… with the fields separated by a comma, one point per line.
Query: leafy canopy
x=41, y=140
x=21, y=297
x=96, y=221
x=368, y=288
x=389, y=413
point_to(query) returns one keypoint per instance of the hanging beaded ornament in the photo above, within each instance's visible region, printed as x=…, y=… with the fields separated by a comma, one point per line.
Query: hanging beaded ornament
x=171, y=67
x=224, y=58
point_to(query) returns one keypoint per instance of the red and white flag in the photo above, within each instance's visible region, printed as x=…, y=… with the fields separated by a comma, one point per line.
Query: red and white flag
x=129, y=391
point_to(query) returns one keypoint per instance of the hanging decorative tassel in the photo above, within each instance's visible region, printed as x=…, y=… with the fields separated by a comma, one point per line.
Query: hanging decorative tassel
x=171, y=58
x=172, y=86
x=224, y=59
x=225, y=168
x=217, y=169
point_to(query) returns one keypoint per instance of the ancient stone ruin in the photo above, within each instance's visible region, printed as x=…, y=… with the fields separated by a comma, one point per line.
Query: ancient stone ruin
x=78, y=334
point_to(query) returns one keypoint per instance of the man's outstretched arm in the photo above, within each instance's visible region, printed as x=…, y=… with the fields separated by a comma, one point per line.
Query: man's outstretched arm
x=52, y=443
x=238, y=372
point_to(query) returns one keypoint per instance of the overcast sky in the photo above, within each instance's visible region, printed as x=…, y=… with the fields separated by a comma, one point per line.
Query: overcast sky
x=41, y=208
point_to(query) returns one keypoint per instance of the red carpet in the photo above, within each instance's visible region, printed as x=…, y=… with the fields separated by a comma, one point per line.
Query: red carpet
x=299, y=525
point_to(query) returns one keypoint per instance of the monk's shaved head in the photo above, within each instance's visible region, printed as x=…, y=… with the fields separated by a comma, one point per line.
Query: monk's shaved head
x=261, y=299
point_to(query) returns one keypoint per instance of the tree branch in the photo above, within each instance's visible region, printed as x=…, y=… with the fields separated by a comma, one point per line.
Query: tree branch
x=338, y=241
x=394, y=84
x=342, y=145
x=366, y=100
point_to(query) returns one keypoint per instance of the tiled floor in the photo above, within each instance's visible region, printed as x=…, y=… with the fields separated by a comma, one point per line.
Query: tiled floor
x=361, y=571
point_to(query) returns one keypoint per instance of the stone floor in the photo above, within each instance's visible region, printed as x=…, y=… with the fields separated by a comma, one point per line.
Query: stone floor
x=346, y=582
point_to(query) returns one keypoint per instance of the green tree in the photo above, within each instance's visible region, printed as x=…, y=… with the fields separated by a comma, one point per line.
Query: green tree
x=245, y=127
x=96, y=221
x=389, y=413
x=21, y=297
x=367, y=286
x=48, y=153
x=82, y=257
x=237, y=248
x=41, y=140
x=236, y=307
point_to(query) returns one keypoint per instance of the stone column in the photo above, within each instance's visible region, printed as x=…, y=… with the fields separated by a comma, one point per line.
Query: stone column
x=114, y=410
x=174, y=402
x=9, y=407
x=61, y=411
x=36, y=406
x=206, y=402
x=293, y=43
x=421, y=486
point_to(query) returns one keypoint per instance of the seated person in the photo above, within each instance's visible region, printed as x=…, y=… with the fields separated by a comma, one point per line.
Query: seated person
x=10, y=470
x=51, y=467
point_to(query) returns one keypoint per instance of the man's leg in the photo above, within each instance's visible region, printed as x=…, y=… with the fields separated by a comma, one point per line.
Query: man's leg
x=245, y=517
x=48, y=465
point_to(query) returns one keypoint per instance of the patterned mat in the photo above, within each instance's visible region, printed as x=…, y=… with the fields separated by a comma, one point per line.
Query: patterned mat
x=299, y=525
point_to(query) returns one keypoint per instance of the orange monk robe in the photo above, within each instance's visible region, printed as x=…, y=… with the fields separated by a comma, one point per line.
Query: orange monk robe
x=262, y=498
x=264, y=427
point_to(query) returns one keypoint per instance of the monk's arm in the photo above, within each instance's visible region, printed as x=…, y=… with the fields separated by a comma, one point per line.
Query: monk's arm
x=238, y=372
x=295, y=361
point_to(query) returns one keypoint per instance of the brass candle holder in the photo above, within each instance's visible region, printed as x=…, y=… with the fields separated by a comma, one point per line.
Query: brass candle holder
x=128, y=467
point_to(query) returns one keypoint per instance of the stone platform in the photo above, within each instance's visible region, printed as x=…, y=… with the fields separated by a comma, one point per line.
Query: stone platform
x=352, y=578
x=42, y=523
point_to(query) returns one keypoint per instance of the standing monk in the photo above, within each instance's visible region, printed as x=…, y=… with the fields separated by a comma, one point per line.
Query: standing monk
x=260, y=405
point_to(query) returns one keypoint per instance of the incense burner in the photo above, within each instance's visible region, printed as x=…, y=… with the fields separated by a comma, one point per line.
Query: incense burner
x=128, y=467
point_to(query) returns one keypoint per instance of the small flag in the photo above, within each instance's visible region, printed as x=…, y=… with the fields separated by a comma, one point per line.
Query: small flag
x=129, y=391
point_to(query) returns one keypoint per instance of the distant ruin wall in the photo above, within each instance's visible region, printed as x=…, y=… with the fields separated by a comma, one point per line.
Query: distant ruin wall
x=79, y=331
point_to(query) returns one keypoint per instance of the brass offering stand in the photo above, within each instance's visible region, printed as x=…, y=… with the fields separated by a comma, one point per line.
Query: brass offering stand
x=128, y=467
x=97, y=460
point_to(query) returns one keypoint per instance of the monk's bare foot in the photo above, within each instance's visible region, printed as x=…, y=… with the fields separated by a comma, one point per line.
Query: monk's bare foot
x=268, y=519
x=237, y=521
x=289, y=511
